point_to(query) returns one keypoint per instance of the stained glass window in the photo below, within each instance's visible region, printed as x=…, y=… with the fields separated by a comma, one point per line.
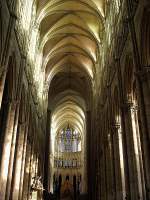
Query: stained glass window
x=68, y=148
x=69, y=140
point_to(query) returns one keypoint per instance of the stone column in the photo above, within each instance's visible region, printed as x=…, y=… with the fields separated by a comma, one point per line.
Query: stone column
x=111, y=147
x=138, y=152
x=143, y=102
x=93, y=156
x=23, y=162
x=99, y=179
x=103, y=155
x=2, y=83
x=40, y=172
x=18, y=162
x=18, y=97
x=46, y=180
x=110, y=168
x=5, y=54
x=98, y=161
x=11, y=160
x=105, y=174
x=88, y=142
x=30, y=170
x=119, y=162
x=26, y=171
x=145, y=130
x=123, y=128
x=132, y=150
x=6, y=149
x=144, y=78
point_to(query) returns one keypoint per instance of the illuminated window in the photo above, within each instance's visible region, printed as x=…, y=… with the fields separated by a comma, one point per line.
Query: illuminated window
x=69, y=140
x=68, y=149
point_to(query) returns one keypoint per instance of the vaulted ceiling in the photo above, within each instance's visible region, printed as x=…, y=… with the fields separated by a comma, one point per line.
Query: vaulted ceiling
x=70, y=34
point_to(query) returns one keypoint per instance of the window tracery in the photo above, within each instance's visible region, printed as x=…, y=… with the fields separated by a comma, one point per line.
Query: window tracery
x=68, y=149
x=69, y=140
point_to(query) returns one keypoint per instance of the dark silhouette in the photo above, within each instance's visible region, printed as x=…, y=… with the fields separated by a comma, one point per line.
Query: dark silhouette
x=74, y=186
x=59, y=185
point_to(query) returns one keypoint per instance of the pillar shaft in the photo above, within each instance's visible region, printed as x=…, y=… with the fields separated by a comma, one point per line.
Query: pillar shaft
x=133, y=154
x=124, y=133
x=112, y=166
x=119, y=162
x=5, y=55
x=144, y=107
x=89, y=152
x=23, y=163
x=18, y=162
x=18, y=96
x=11, y=160
x=6, y=149
x=47, y=155
x=30, y=170
x=26, y=171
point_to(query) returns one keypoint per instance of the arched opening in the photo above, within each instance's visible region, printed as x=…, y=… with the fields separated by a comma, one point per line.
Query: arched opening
x=74, y=108
x=68, y=128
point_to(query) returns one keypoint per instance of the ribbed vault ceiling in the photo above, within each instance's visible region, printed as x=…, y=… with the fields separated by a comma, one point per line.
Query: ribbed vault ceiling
x=70, y=34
